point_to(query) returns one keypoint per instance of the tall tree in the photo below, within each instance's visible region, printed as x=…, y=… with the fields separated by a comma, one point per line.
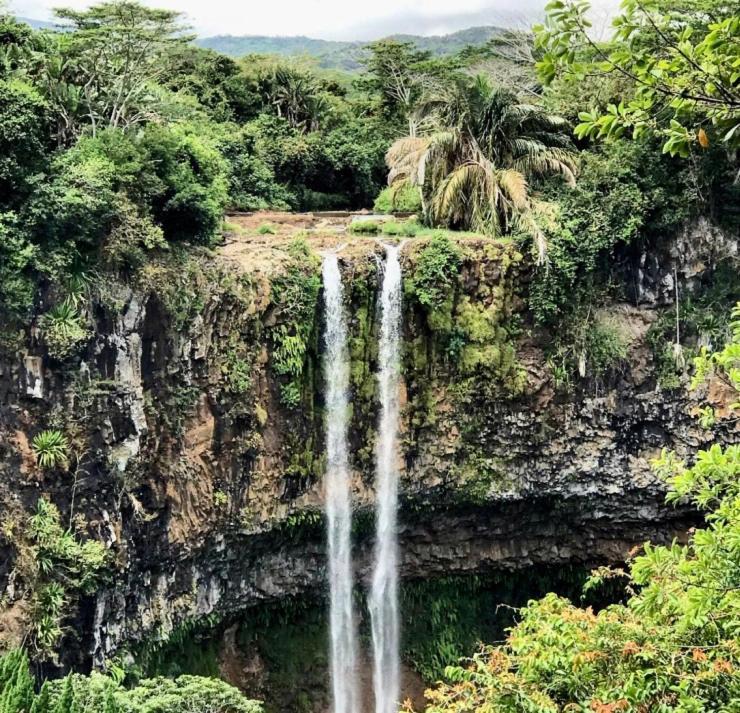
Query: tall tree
x=396, y=72
x=110, y=63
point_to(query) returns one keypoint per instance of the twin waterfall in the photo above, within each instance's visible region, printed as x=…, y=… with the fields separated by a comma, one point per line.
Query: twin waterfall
x=383, y=600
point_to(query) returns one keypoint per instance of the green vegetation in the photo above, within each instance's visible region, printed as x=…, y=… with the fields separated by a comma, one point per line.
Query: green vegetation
x=447, y=618
x=697, y=322
x=409, y=228
x=51, y=449
x=16, y=683
x=63, y=330
x=237, y=372
x=435, y=275
x=592, y=347
x=462, y=345
x=671, y=646
x=472, y=168
x=60, y=565
x=678, y=62
x=295, y=295
x=98, y=693
x=398, y=199
x=266, y=229
x=470, y=333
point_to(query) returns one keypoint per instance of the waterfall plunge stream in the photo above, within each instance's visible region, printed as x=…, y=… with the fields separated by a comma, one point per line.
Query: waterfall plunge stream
x=384, y=592
x=338, y=506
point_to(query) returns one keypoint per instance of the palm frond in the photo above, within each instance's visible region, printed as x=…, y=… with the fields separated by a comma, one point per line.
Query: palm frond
x=477, y=148
x=450, y=199
x=404, y=157
x=514, y=186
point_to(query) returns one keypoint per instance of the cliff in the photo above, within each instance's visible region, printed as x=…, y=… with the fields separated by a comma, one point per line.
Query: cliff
x=192, y=409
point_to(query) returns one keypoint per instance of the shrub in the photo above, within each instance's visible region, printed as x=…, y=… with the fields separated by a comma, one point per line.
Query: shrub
x=587, y=345
x=192, y=189
x=290, y=394
x=237, y=371
x=406, y=229
x=24, y=138
x=185, y=693
x=405, y=199
x=252, y=182
x=435, y=272
x=266, y=229
x=73, y=210
x=364, y=227
x=16, y=682
x=62, y=330
x=64, y=566
x=606, y=347
x=50, y=448
x=97, y=693
x=295, y=293
x=17, y=258
x=132, y=237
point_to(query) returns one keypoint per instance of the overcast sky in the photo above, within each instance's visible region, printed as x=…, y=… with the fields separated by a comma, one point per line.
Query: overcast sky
x=332, y=19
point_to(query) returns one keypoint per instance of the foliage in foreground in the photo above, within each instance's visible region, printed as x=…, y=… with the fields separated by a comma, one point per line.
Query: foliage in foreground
x=679, y=62
x=672, y=647
x=97, y=693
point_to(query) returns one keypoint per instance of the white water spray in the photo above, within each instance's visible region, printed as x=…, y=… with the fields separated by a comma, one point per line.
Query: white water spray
x=338, y=508
x=384, y=592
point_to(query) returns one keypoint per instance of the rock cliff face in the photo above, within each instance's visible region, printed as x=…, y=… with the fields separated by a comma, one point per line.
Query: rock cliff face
x=193, y=413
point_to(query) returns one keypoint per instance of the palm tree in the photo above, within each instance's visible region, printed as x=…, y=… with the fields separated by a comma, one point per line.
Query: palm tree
x=297, y=97
x=476, y=151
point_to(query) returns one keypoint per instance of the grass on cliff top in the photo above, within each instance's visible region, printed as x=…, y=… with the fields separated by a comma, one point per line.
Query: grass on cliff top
x=274, y=228
x=405, y=229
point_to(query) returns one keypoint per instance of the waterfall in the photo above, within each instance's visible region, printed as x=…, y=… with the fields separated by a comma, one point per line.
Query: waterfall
x=338, y=508
x=384, y=591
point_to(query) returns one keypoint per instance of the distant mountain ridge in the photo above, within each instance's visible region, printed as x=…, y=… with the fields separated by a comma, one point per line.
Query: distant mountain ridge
x=334, y=54
x=329, y=54
x=38, y=24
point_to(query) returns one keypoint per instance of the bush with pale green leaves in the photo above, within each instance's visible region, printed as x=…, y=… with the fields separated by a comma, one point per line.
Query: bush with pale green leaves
x=63, y=330
x=50, y=448
x=395, y=199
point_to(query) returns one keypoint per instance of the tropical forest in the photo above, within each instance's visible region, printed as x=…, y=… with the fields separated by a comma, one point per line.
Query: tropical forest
x=382, y=374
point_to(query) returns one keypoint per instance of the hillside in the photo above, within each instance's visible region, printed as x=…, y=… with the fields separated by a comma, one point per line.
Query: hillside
x=37, y=24
x=329, y=54
x=340, y=55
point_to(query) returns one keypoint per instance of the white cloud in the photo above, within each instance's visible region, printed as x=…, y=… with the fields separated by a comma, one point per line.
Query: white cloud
x=330, y=19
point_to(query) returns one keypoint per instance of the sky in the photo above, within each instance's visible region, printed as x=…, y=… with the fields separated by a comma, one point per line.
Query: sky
x=333, y=19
